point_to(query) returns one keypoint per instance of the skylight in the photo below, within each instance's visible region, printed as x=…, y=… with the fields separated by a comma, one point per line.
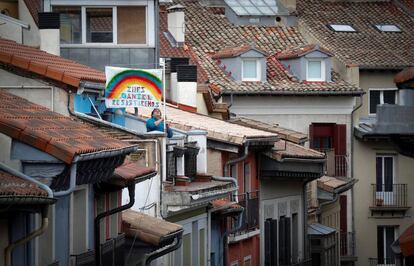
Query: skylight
x=253, y=7
x=342, y=28
x=387, y=28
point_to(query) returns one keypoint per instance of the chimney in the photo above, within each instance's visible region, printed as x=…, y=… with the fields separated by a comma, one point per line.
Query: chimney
x=186, y=89
x=176, y=23
x=200, y=136
x=49, y=24
x=173, y=76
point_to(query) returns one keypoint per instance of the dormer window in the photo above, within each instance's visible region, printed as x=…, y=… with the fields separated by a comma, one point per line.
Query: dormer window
x=250, y=70
x=315, y=70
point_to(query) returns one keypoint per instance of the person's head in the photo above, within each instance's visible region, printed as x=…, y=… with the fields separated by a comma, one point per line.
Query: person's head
x=156, y=113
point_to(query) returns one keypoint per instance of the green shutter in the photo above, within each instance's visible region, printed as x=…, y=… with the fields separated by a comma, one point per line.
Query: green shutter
x=187, y=250
x=202, y=247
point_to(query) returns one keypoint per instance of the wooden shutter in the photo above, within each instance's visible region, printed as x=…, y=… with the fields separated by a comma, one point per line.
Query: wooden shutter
x=343, y=214
x=339, y=139
x=271, y=242
x=311, y=127
x=284, y=241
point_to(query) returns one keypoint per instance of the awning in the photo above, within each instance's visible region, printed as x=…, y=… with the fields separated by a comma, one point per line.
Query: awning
x=130, y=173
x=317, y=229
x=148, y=229
x=407, y=241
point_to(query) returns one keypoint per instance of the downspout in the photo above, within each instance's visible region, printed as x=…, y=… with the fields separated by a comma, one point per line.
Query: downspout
x=165, y=250
x=352, y=165
x=224, y=237
x=243, y=157
x=42, y=228
x=99, y=217
x=72, y=182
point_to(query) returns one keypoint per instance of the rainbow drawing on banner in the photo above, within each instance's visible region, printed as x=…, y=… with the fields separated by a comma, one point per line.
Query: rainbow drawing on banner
x=132, y=88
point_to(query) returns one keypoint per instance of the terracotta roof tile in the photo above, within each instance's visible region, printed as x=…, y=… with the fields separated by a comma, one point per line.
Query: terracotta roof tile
x=224, y=203
x=208, y=32
x=329, y=183
x=283, y=133
x=216, y=128
x=286, y=149
x=301, y=51
x=50, y=66
x=129, y=172
x=235, y=51
x=147, y=228
x=367, y=47
x=58, y=135
x=11, y=185
x=405, y=75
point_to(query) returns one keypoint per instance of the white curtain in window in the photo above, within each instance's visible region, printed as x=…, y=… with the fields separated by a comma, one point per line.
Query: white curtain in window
x=249, y=69
x=314, y=70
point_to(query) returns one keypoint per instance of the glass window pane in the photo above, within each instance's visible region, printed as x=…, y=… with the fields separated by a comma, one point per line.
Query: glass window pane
x=314, y=70
x=99, y=25
x=249, y=69
x=389, y=97
x=342, y=28
x=388, y=28
x=131, y=24
x=389, y=173
x=374, y=100
x=70, y=24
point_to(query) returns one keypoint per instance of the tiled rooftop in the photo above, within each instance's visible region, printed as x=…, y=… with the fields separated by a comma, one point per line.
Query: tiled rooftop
x=405, y=75
x=47, y=65
x=11, y=185
x=367, y=47
x=129, y=172
x=235, y=51
x=329, y=183
x=55, y=134
x=287, y=149
x=301, y=51
x=34, y=7
x=208, y=32
x=216, y=129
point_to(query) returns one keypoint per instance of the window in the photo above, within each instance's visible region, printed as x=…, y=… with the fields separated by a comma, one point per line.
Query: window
x=99, y=25
x=70, y=24
x=385, y=237
x=384, y=172
x=342, y=28
x=247, y=178
x=315, y=70
x=381, y=96
x=234, y=263
x=251, y=70
x=103, y=25
x=387, y=28
x=247, y=261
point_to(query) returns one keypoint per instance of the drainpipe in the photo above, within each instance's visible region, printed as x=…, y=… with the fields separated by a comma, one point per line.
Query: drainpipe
x=39, y=231
x=243, y=157
x=224, y=237
x=72, y=183
x=165, y=250
x=99, y=217
x=352, y=165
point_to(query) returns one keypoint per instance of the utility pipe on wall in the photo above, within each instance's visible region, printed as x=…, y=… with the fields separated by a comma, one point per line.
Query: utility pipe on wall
x=42, y=228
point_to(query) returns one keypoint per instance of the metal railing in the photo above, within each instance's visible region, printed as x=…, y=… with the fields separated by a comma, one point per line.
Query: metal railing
x=250, y=202
x=347, y=244
x=381, y=261
x=389, y=196
x=336, y=165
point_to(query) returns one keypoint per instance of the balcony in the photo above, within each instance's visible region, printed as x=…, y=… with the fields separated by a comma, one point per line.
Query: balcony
x=389, y=198
x=382, y=262
x=336, y=165
x=250, y=202
x=347, y=246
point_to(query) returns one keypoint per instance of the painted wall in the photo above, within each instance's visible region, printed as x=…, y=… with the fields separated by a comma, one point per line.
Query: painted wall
x=233, y=65
x=243, y=251
x=10, y=31
x=10, y=7
x=281, y=198
x=365, y=171
x=31, y=37
x=36, y=91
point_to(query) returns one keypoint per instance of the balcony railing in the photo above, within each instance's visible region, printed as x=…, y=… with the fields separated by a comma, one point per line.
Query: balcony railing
x=307, y=262
x=389, y=196
x=382, y=262
x=347, y=244
x=336, y=165
x=250, y=202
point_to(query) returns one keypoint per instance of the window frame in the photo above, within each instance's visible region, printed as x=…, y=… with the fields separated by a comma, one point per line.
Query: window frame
x=149, y=25
x=323, y=69
x=378, y=28
x=247, y=258
x=258, y=70
x=381, y=97
x=394, y=164
x=384, y=242
x=332, y=25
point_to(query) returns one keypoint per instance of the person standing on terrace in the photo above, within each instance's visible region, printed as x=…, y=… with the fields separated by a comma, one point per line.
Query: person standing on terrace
x=156, y=123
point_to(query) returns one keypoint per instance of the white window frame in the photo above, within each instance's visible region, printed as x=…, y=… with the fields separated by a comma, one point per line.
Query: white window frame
x=258, y=70
x=381, y=97
x=394, y=164
x=385, y=240
x=246, y=258
x=84, y=4
x=323, y=69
